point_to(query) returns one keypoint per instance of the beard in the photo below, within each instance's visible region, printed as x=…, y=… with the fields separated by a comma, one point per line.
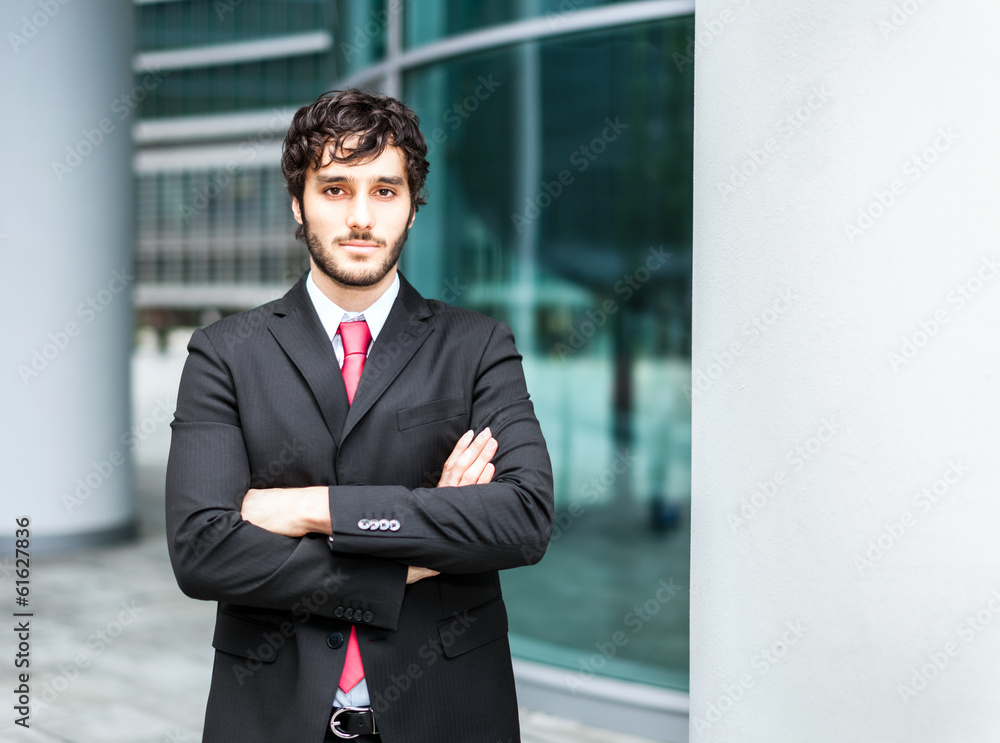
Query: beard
x=343, y=272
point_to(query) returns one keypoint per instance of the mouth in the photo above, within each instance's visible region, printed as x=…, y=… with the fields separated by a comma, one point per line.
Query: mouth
x=360, y=247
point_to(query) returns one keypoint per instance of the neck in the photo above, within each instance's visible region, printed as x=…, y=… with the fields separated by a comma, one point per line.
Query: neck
x=351, y=298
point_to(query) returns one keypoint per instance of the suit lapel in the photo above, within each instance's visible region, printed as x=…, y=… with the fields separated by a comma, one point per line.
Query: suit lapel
x=297, y=329
x=405, y=330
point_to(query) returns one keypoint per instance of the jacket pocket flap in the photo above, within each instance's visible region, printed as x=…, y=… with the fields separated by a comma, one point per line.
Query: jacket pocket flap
x=246, y=638
x=469, y=629
x=429, y=412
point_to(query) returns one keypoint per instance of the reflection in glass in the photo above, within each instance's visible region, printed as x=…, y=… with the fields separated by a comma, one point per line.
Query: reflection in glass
x=560, y=202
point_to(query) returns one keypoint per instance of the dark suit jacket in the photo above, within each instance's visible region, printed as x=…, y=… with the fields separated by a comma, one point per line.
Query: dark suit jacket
x=262, y=404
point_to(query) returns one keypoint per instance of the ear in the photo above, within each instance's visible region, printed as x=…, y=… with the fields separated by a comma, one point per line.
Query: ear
x=297, y=210
x=413, y=216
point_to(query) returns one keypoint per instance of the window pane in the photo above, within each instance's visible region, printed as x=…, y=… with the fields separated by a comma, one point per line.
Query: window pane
x=192, y=23
x=560, y=202
x=429, y=20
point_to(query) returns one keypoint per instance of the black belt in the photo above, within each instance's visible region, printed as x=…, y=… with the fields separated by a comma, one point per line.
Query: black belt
x=350, y=722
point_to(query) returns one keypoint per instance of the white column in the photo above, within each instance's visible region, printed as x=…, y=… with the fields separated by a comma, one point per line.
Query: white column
x=845, y=580
x=66, y=257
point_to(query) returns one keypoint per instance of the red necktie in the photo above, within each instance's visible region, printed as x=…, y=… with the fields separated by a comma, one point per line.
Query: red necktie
x=356, y=337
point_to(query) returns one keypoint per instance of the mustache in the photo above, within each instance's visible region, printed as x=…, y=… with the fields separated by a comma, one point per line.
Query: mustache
x=366, y=236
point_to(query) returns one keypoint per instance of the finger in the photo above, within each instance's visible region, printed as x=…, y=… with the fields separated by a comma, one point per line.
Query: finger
x=487, y=475
x=460, y=446
x=448, y=470
x=475, y=469
x=473, y=451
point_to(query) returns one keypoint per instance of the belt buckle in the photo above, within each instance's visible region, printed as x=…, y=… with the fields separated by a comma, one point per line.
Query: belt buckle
x=340, y=733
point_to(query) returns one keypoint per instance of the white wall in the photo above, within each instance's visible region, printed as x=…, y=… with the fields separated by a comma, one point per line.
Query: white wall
x=803, y=627
x=65, y=268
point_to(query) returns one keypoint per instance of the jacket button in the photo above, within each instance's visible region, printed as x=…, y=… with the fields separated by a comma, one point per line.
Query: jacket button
x=367, y=616
x=335, y=640
x=338, y=612
x=349, y=614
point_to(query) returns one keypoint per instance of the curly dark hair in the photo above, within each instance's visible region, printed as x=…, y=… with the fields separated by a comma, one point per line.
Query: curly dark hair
x=336, y=116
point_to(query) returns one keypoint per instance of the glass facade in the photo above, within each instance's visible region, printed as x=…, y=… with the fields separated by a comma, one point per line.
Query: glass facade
x=234, y=88
x=179, y=24
x=559, y=201
x=215, y=227
x=431, y=20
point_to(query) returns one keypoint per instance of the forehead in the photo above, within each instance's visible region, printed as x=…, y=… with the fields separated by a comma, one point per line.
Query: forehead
x=390, y=163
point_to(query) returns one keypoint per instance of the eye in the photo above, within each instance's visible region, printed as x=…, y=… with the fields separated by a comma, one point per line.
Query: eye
x=333, y=190
x=385, y=192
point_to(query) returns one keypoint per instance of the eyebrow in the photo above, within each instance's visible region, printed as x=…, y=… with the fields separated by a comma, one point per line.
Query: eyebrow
x=389, y=180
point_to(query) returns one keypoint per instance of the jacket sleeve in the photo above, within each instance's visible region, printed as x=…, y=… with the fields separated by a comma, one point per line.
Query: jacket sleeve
x=218, y=556
x=503, y=524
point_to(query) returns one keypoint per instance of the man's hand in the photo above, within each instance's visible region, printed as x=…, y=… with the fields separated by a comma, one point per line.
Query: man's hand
x=295, y=512
x=414, y=574
x=291, y=512
x=469, y=462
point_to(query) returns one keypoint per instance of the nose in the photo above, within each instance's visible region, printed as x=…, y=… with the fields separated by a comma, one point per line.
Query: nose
x=360, y=216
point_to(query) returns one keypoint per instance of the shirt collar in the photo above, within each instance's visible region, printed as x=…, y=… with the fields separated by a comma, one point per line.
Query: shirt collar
x=331, y=314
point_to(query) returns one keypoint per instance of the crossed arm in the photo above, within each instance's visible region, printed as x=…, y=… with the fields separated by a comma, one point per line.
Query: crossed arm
x=295, y=512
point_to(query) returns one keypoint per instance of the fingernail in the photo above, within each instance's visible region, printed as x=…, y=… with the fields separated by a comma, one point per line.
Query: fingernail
x=487, y=431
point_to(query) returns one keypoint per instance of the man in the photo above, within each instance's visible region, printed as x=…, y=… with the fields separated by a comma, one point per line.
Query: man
x=350, y=467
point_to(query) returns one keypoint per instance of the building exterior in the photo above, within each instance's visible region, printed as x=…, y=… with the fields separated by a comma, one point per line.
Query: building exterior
x=560, y=201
